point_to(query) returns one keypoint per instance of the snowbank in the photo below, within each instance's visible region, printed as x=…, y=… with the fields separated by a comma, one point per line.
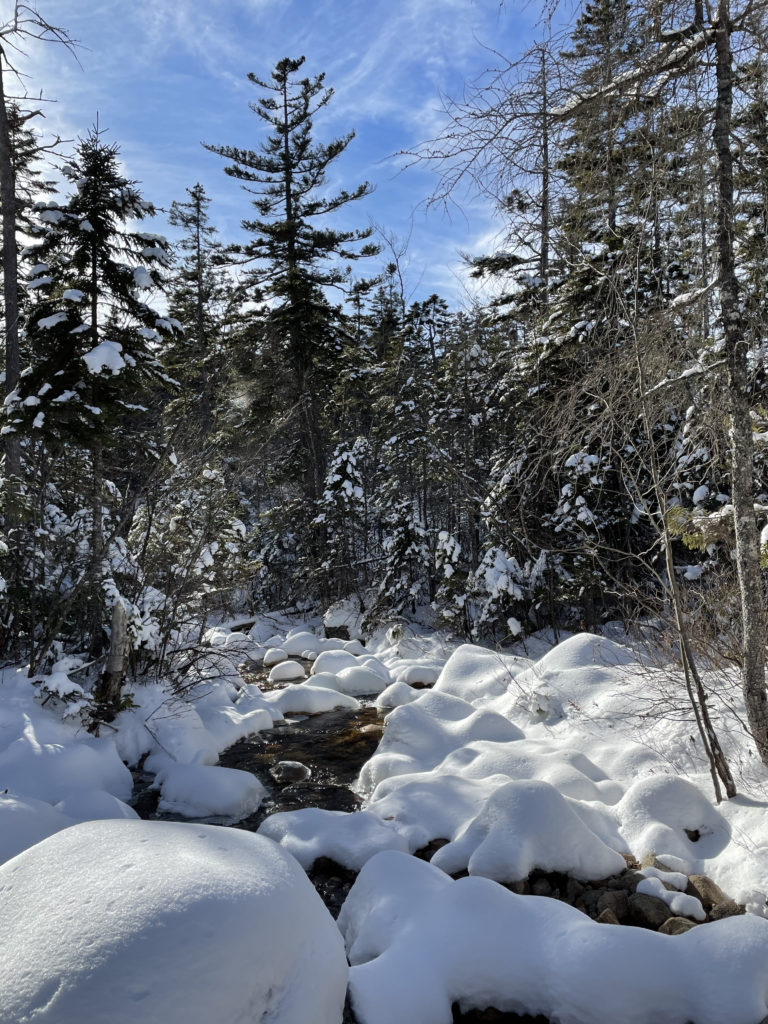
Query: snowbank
x=418, y=942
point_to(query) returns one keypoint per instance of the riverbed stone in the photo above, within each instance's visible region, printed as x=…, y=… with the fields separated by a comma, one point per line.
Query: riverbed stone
x=705, y=890
x=288, y=772
x=676, y=926
x=607, y=916
x=648, y=911
x=728, y=908
x=615, y=900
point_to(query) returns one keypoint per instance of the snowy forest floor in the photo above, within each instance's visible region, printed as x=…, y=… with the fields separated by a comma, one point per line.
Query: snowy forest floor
x=475, y=820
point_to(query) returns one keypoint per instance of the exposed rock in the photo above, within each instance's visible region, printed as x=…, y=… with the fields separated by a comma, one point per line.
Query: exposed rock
x=573, y=891
x=541, y=887
x=676, y=926
x=648, y=911
x=627, y=880
x=650, y=860
x=428, y=851
x=491, y=1016
x=288, y=772
x=631, y=861
x=728, y=908
x=607, y=916
x=705, y=890
x=615, y=900
x=522, y=888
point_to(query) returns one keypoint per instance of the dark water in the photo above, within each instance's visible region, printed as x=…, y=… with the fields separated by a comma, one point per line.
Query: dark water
x=333, y=745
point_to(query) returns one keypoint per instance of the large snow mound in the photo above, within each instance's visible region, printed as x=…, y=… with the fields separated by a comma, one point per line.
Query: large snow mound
x=111, y=922
x=419, y=941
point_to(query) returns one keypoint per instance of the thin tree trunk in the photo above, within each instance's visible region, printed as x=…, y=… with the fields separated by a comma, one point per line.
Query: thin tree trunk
x=753, y=627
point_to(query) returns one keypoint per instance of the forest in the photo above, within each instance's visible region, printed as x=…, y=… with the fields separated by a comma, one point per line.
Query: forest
x=217, y=426
x=516, y=548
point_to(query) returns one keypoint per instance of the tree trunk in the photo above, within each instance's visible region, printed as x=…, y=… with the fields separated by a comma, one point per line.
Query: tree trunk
x=753, y=631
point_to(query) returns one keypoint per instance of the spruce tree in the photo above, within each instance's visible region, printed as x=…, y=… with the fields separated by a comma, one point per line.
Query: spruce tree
x=293, y=256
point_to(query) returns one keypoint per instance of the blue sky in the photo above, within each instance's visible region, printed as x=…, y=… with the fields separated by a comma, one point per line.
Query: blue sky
x=164, y=75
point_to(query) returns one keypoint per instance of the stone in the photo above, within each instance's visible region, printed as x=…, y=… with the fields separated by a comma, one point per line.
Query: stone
x=728, y=908
x=705, y=890
x=615, y=900
x=648, y=911
x=627, y=880
x=676, y=926
x=289, y=772
x=541, y=887
x=631, y=861
x=573, y=890
x=650, y=860
x=607, y=916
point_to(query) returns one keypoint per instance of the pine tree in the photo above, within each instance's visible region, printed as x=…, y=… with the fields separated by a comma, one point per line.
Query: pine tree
x=293, y=255
x=91, y=336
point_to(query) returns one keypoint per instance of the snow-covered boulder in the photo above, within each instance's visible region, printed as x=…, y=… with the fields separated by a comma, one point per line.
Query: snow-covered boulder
x=273, y=656
x=25, y=821
x=527, y=825
x=333, y=661
x=286, y=672
x=419, y=735
x=474, y=672
x=205, y=791
x=111, y=922
x=348, y=839
x=297, y=643
x=310, y=700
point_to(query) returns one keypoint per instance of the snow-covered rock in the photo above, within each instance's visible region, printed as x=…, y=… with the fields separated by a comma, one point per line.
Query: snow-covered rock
x=333, y=661
x=273, y=656
x=107, y=922
x=286, y=672
x=309, y=700
x=348, y=839
x=418, y=942
x=25, y=821
x=205, y=791
x=528, y=825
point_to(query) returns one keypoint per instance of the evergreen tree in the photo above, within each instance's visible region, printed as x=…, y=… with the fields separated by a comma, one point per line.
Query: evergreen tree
x=293, y=256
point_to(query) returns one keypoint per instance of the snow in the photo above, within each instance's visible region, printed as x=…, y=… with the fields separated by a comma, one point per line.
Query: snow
x=174, y=922
x=274, y=656
x=348, y=839
x=309, y=700
x=333, y=661
x=205, y=791
x=52, y=321
x=106, y=356
x=286, y=671
x=528, y=825
x=418, y=941
x=26, y=821
x=73, y=295
x=559, y=761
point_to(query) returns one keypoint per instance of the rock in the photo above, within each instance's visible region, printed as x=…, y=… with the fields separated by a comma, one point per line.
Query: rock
x=650, y=860
x=274, y=656
x=289, y=772
x=607, y=916
x=627, y=880
x=676, y=926
x=631, y=861
x=615, y=900
x=541, y=887
x=374, y=728
x=728, y=908
x=522, y=888
x=573, y=890
x=705, y=890
x=648, y=911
